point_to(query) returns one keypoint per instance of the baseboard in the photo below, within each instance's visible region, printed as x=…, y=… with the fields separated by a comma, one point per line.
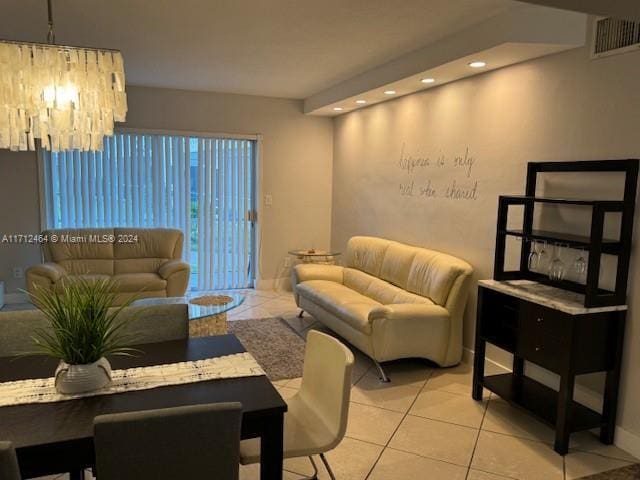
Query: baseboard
x=627, y=441
x=10, y=298
x=282, y=284
x=624, y=439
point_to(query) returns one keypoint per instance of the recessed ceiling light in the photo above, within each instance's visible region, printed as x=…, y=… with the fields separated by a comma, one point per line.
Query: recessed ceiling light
x=337, y=109
x=477, y=64
x=389, y=92
x=428, y=80
x=361, y=101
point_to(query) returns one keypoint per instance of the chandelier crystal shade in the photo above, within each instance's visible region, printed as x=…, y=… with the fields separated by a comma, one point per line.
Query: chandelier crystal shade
x=67, y=97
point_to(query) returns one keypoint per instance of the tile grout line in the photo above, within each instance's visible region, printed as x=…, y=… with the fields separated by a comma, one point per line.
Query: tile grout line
x=397, y=428
x=475, y=445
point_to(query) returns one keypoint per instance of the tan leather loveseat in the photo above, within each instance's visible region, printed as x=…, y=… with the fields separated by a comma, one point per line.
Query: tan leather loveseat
x=390, y=300
x=145, y=260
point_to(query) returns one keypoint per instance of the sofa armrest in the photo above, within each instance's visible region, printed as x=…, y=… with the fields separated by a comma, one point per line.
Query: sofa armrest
x=176, y=273
x=44, y=277
x=51, y=271
x=315, y=271
x=408, y=311
x=410, y=329
x=172, y=266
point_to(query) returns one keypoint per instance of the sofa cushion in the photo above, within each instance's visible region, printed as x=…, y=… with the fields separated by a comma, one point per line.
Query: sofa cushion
x=366, y=254
x=340, y=300
x=139, y=282
x=432, y=274
x=396, y=263
x=148, y=243
x=90, y=277
x=379, y=290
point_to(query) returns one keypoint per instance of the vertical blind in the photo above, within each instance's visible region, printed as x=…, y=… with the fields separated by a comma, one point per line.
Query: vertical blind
x=202, y=186
x=225, y=198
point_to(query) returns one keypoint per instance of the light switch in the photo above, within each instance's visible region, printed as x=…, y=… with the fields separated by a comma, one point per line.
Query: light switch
x=268, y=200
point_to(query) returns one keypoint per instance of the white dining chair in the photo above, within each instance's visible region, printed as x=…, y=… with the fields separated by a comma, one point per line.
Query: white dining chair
x=316, y=420
x=8, y=462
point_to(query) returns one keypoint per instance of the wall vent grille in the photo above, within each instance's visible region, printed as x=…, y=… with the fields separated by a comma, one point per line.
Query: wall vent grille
x=612, y=36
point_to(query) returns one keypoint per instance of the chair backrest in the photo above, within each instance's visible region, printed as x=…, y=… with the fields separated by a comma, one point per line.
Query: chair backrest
x=198, y=441
x=8, y=462
x=326, y=381
x=110, y=251
x=150, y=324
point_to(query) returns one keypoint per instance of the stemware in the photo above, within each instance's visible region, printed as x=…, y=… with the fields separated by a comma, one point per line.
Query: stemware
x=580, y=265
x=533, y=256
x=556, y=267
x=543, y=256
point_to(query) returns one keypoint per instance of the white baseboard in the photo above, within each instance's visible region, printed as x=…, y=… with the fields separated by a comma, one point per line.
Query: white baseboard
x=624, y=439
x=279, y=284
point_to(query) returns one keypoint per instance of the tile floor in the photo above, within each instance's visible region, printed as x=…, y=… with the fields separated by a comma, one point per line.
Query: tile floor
x=424, y=424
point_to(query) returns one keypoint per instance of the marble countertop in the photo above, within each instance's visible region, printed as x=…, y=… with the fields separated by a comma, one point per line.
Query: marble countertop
x=552, y=297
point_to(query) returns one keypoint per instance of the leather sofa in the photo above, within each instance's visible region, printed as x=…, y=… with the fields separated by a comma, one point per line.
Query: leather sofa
x=144, y=261
x=390, y=300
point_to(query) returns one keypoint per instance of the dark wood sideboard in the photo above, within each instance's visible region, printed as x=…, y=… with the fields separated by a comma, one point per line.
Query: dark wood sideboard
x=551, y=328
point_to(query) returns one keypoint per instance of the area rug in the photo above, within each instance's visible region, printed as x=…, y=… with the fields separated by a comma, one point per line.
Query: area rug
x=275, y=345
x=631, y=472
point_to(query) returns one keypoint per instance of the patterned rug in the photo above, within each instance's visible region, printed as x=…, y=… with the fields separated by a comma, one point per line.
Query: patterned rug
x=275, y=345
x=632, y=472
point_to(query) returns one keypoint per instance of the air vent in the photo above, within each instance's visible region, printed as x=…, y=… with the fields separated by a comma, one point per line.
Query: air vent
x=612, y=37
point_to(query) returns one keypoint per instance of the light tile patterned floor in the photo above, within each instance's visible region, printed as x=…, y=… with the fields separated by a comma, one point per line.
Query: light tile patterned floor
x=424, y=424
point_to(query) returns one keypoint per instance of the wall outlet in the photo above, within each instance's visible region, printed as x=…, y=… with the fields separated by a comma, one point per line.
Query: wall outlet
x=268, y=200
x=18, y=272
x=287, y=261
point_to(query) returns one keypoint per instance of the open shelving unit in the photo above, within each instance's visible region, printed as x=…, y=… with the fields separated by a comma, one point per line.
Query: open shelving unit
x=595, y=244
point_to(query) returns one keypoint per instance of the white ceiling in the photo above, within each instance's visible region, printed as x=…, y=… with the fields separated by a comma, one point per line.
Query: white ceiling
x=282, y=48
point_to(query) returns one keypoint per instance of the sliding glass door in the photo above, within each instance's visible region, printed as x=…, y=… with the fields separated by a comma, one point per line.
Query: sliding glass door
x=204, y=186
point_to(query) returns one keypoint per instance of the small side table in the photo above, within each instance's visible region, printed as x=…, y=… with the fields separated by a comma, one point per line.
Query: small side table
x=316, y=256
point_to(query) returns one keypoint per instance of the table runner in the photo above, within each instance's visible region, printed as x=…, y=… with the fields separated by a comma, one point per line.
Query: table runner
x=42, y=390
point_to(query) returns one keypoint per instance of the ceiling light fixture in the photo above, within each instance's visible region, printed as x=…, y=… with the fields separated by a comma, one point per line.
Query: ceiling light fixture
x=68, y=97
x=389, y=92
x=428, y=80
x=477, y=64
x=338, y=109
x=361, y=101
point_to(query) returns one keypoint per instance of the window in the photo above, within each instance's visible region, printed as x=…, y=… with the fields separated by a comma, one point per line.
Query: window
x=203, y=186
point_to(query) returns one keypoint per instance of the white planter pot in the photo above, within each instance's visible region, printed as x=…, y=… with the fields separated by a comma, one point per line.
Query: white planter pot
x=72, y=379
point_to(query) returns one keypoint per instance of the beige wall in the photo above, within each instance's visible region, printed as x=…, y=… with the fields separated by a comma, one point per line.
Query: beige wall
x=561, y=107
x=296, y=169
x=19, y=213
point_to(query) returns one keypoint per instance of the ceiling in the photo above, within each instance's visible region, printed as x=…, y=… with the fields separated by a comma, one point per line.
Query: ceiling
x=280, y=48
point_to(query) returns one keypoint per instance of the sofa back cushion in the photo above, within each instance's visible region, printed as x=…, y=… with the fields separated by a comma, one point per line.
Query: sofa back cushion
x=148, y=249
x=133, y=250
x=384, y=269
x=81, y=250
x=432, y=274
x=366, y=254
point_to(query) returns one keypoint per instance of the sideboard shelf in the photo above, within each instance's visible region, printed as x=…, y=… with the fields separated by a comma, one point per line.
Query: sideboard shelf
x=540, y=400
x=595, y=244
x=609, y=246
x=609, y=205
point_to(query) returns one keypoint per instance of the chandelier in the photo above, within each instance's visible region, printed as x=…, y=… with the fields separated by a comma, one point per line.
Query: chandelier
x=67, y=97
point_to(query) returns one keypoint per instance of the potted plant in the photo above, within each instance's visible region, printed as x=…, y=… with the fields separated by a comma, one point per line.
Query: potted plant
x=83, y=330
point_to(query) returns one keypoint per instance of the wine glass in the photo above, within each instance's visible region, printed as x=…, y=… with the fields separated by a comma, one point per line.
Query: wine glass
x=556, y=267
x=533, y=256
x=543, y=256
x=580, y=265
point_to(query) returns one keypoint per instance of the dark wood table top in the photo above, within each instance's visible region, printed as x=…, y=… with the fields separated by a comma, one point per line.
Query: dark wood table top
x=52, y=423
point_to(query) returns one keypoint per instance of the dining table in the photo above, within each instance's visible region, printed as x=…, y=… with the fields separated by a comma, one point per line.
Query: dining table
x=57, y=437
